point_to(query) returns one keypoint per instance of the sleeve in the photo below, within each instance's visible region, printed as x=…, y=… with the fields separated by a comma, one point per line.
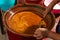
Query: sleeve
x=6, y=4
x=58, y=28
x=47, y=2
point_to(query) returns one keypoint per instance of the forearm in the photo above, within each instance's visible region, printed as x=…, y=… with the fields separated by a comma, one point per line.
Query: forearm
x=54, y=36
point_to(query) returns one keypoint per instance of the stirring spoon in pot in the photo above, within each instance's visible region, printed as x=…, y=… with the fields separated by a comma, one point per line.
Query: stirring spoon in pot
x=48, y=9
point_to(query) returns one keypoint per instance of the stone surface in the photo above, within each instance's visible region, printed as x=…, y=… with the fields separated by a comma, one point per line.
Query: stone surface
x=3, y=37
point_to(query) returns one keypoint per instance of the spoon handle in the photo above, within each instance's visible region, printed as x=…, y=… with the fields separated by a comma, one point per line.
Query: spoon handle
x=50, y=7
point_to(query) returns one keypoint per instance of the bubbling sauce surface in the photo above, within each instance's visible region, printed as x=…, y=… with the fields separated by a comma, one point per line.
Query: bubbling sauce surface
x=21, y=21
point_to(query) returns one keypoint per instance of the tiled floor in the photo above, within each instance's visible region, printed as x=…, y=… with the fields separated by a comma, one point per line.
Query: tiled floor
x=3, y=37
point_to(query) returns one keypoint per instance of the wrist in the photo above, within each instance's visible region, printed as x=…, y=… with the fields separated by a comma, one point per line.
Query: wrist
x=45, y=33
x=50, y=34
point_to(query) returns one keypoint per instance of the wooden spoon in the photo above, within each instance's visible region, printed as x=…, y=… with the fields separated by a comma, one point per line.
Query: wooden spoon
x=48, y=9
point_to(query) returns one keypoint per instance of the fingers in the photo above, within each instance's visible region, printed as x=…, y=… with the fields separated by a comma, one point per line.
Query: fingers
x=57, y=19
x=39, y=37
x=39, y=33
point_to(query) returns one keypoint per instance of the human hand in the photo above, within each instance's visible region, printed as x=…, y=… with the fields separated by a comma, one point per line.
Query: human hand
x=59, y=17
x=41, y=33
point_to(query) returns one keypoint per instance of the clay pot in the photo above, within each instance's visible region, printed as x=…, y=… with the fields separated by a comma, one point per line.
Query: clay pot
x=36, y=10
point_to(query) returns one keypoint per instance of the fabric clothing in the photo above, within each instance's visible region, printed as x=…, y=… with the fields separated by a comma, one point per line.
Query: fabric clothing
x=33, y=1
x=6, y=4
x=47, y=2
x=58, y=28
